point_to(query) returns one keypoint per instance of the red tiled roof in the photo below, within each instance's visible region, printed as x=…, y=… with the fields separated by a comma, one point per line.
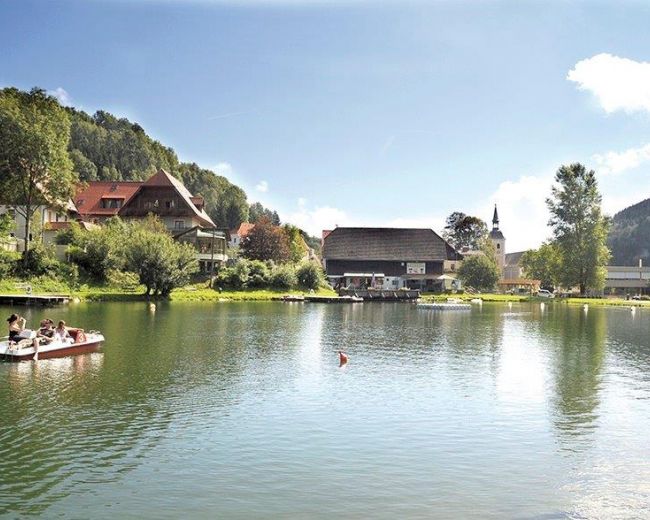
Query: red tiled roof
x=244, y=229
x=88, y=199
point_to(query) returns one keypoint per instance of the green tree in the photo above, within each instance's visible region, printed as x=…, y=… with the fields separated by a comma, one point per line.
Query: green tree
x=161, y=263
x=8, y=258
x=284, y=277
x=310, y=275
x=84, y=167
x=99, y=251
x=579, y=228
x=296, y=243
x=7, y=225
x=464, y=231
x=479, y=271
x=266, y=242
x=543, y=264
x=35, y=169
x=258, y=212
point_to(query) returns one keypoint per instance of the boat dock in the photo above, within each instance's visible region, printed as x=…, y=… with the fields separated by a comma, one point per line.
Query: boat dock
x=34, y=299
x=378, y=295
x=317, y=299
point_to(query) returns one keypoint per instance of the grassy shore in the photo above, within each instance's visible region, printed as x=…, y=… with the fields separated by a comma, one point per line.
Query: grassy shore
x=195, y=292
x=200, y=292
x=615, y=302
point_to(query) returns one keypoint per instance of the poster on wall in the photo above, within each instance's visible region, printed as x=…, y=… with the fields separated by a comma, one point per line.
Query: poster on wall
x=415, y=268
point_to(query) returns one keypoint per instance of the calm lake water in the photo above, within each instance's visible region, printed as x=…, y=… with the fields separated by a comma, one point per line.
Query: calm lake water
x=240, y=410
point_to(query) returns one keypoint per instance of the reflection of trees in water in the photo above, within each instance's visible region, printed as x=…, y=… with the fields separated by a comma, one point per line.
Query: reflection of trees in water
x=578, y=349
x=70, y=423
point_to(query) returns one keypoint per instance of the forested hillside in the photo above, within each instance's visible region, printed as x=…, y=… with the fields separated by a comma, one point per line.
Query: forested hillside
x=103, y=147
x=629, y=237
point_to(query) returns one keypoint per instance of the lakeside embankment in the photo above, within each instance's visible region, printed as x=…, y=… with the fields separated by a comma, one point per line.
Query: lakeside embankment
x=195, y=292
x=200, y=292
x=490, y=297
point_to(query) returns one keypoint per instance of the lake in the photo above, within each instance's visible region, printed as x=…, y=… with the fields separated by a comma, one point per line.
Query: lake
x=240, y=410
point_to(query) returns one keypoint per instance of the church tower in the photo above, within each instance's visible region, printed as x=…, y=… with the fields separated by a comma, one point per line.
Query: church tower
x=498, y=240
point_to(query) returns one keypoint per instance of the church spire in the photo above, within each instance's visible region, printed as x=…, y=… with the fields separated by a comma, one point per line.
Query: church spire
x=495, y=218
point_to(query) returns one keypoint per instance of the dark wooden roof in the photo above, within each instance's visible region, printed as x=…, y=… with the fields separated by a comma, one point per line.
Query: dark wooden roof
x=401, y=244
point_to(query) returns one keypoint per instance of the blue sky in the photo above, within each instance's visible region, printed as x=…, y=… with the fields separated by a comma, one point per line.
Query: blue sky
x=363, y=112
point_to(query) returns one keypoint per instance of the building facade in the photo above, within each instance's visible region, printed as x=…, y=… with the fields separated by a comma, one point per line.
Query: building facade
x=387, y=258
x=627, y=280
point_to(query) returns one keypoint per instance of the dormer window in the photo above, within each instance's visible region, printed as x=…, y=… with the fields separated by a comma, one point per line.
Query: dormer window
x=111, y=203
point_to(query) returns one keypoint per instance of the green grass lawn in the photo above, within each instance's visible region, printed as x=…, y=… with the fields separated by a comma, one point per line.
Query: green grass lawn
x=195, y=292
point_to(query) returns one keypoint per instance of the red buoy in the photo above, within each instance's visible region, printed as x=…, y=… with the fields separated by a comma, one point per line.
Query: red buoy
x=343, y=358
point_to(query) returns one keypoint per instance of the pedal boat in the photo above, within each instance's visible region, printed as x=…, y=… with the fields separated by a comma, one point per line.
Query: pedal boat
x=24, y=350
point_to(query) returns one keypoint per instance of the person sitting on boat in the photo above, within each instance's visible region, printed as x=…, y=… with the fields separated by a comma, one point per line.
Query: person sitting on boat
x=16, y=326
x=17, y=332
x=61, y=333
x=46, y=333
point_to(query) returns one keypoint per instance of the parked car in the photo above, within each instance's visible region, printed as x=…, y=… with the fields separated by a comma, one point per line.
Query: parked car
x=543, y=293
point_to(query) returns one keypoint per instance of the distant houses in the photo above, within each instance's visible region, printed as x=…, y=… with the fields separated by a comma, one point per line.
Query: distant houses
x=162, y=195
x=388, y=258
x=238, y=234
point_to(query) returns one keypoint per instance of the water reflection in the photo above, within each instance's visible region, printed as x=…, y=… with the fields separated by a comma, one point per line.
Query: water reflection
x=578, y=348
x=239, y=410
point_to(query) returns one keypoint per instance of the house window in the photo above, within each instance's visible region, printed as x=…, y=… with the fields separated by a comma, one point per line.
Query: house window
x=170, y=204
x=112, y=203
x=179, y=224
x=498, y=246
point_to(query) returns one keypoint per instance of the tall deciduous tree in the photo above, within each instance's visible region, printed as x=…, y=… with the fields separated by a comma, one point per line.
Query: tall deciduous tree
x=579, y=228
x=266, y=242
x=479, y=271
x=464, y=231
x=35, y=169
x=296, y=243
x=543, y=264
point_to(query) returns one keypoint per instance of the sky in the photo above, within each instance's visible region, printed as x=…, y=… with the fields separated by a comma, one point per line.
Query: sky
x=363, y=113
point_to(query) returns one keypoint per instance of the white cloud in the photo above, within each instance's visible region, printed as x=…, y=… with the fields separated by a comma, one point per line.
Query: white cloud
x=523, y=214
x=315, y=220
x=618, y=162
x=62, y=95
x=224, y=169
x=262, y=186
x=617, y=83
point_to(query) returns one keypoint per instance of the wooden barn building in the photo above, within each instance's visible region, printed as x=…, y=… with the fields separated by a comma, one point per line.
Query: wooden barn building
x=387, y=258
